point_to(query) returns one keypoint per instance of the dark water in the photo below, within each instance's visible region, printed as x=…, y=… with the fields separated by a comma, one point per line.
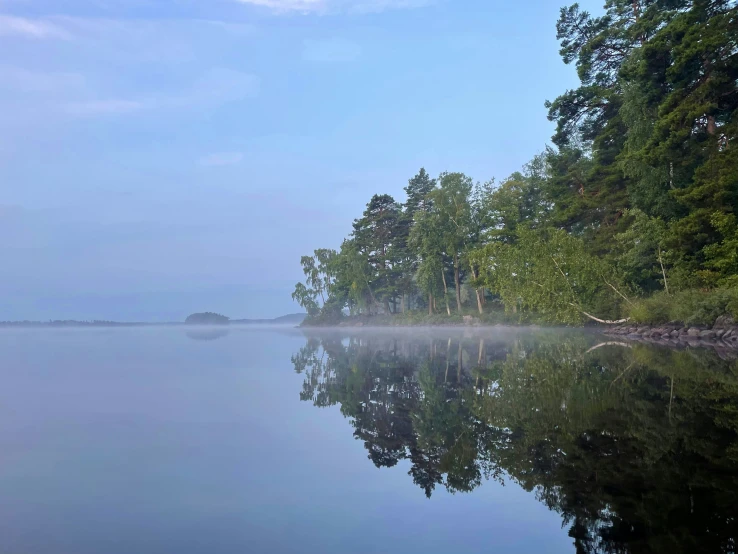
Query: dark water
x=163, y=440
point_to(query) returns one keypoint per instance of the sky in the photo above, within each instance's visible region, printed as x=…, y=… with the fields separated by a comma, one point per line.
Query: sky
x=161, y=157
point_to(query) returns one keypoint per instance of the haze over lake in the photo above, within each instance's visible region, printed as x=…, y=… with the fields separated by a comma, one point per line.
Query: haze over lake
x=154, y=440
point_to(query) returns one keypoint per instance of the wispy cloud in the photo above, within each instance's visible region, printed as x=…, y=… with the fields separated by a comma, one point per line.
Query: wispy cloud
x=290, y=5
x=332, y=6
x=221, y=159
x=330, y=50
x=216, y=87
x=30, y=28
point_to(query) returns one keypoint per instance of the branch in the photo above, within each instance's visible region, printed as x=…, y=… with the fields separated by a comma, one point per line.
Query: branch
x=598, y=320
x=617, y=291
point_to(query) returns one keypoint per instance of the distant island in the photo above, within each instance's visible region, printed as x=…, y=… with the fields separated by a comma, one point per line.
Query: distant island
x=207, y=318
x=211, y=318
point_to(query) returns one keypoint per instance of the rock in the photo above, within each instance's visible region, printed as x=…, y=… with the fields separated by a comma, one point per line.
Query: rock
x=719, y=333
x=723, y=322
x=683, y=331
x=707, y=334
x=666, y=336
x=728, y=332
x=674, y=333
x=360, y=324
x=693, y=332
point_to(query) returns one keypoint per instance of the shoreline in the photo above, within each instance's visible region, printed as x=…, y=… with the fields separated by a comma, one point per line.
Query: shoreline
x=723, y=334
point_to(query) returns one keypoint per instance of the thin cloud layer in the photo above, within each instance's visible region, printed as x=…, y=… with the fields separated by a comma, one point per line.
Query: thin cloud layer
x=332, y=6
x=12, y=26
x=216, y=87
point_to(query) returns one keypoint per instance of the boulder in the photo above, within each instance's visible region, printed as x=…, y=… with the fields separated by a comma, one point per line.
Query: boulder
x=693, y=332
x=707, y=334
x=674, y=333
x=724, y=322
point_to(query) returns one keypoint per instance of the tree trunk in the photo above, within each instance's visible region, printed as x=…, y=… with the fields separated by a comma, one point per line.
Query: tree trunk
x=479, y=297
x=402, y=303
x=663, y=272
x=386, y=306
x=457, y=281
x=430, y=303
x=445, y=292
x=711, y=125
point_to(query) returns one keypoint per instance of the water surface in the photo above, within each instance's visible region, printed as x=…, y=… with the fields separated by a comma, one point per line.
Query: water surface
x=154, y=440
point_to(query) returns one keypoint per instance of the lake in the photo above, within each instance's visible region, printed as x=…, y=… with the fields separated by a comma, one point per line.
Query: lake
x=240, y=440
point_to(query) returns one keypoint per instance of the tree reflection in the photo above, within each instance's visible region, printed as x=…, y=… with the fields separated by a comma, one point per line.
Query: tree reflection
x=636, y=448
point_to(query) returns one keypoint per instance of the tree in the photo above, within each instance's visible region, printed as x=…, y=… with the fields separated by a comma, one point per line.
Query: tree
x=307, y=298
x=551, y=273
x=451, y=218
x=426, y=241
x=378, y=236
x=418, y=188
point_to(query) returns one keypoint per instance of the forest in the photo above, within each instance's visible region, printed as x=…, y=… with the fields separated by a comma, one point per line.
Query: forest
x=630, y=214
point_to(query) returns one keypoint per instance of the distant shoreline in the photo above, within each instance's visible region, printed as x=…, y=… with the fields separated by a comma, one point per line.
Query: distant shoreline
x=290, y=319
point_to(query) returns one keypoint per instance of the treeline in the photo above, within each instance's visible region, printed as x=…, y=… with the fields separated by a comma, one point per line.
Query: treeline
x=637, y=197
x=68, y=323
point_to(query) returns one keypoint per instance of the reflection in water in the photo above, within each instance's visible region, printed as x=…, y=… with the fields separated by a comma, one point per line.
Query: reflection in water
x=214, y=333
x=636, y=447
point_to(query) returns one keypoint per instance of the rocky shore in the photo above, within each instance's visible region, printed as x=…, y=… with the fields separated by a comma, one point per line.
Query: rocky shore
x=724, y=333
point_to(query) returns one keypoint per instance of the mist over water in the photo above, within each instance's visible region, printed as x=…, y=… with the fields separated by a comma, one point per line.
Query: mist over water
x=174, y=439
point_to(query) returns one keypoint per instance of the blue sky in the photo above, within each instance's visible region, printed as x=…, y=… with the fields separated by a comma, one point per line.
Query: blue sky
x=160, y=157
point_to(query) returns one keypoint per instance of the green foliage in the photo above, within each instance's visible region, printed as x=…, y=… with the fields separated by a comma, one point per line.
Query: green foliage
x=550, y=272
x=641, y=251
x=691, y=307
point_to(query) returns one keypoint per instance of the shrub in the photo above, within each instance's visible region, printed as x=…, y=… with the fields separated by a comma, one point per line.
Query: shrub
x=691, y=307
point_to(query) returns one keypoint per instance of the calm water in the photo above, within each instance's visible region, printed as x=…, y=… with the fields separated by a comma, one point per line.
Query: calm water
x=163, y=440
